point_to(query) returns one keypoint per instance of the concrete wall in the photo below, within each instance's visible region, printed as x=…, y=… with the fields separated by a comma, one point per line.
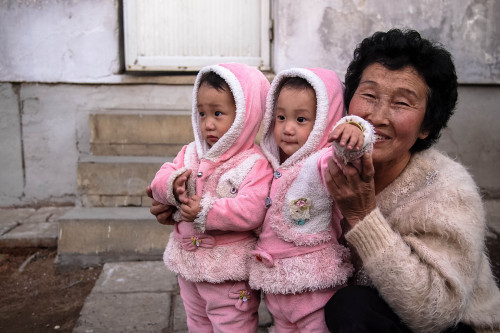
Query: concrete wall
x=330, y=30
x=55, y=133
x=60, y=61
x=59, y=41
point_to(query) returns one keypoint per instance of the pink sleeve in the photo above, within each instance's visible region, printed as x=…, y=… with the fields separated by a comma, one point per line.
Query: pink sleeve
x=323, y=164
x=247, y=210
x=322, y=167
x=161, y=185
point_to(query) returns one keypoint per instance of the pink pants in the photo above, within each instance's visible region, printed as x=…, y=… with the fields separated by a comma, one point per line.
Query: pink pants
x=220, y=307
x=300, y=312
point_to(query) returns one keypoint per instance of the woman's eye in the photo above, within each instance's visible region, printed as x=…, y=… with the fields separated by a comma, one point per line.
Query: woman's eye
x=402, y=103
x=218, y=113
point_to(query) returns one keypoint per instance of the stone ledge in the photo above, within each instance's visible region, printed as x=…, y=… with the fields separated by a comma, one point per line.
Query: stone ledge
x=92, y=236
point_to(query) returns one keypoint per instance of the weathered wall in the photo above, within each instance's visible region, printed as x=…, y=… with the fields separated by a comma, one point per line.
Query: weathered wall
x=11, y=159
x=59, y=41
x=60, y=60
x=330, y=30
x=55, y=133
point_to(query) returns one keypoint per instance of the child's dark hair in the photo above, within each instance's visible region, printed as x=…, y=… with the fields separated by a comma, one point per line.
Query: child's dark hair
x=213, y=80
x=293, y=82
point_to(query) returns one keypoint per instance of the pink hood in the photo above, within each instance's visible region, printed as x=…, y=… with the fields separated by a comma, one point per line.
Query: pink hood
x=330, y=108
x=249, y=88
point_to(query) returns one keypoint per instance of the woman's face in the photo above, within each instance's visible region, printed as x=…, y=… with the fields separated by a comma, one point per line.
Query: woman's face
x=394, y=101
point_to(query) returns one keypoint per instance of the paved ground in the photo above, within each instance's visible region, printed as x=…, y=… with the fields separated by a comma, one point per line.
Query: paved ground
x=137, y=296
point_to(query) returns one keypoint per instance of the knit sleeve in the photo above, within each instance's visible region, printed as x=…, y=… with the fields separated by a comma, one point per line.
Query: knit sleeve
x=423, y=254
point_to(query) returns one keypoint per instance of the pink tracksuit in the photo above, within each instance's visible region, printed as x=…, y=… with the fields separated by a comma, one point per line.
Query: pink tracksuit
x=298, y=262
x=233, y=178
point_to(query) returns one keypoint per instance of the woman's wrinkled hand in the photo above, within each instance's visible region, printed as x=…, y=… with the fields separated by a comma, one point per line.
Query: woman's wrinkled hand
x=353, y=192
x=163, y=213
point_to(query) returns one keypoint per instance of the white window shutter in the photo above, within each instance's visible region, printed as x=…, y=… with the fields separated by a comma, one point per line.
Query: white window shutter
x=186, y=35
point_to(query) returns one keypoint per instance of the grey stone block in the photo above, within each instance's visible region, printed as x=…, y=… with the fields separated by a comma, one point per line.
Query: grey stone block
x=180, y=324
x=152, y=134
x=128, y=312
x=136, y=276
x=116, y=176
x=31, y=235
x=6, y=226
x=91, y=236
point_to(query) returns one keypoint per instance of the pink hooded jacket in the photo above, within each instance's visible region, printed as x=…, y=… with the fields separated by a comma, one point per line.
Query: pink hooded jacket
x=232, y=178
x=298, y=247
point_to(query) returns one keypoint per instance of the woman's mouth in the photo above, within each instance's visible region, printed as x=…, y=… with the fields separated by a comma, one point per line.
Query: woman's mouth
x=379, y=137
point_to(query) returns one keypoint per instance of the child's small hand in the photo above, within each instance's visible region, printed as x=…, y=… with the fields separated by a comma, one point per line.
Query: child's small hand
x=190, y=209
x=348, y=135
x=179, y=187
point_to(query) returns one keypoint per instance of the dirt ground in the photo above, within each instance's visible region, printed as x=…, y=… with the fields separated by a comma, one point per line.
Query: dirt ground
x=34, y=297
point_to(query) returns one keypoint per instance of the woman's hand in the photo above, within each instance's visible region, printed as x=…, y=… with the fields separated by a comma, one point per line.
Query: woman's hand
x=353, y=192
x=163, y=213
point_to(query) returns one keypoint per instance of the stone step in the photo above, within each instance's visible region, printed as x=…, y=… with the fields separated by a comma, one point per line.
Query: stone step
x=92, y=236
x=113, y=181
x=150, y=133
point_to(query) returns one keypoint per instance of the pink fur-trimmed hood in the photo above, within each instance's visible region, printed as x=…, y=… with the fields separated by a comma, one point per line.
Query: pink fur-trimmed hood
x=330, y=108
x=249, y=88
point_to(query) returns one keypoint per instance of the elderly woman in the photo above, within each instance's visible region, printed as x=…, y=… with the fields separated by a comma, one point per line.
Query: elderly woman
x=413, y=217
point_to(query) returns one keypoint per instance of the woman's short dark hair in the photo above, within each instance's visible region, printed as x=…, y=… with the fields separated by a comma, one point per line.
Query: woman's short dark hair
x=396, y=49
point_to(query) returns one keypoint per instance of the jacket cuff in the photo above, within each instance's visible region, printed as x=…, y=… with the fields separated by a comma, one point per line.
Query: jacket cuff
x=369, y=139
x=371, y=235
x=170, y=187
x=200, y=223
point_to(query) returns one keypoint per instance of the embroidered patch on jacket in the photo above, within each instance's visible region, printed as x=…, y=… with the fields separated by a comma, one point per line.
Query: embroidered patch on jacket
x=299, y=210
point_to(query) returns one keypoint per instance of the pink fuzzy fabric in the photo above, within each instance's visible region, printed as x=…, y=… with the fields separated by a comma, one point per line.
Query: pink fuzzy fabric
x=211, y=264
x=328, y=267
x=223, y=231
x=298, y=247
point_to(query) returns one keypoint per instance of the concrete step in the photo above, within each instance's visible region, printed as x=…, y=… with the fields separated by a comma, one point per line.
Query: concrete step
x=92, y=236
x=149, y=133
x=30, y=227
x=114, y=181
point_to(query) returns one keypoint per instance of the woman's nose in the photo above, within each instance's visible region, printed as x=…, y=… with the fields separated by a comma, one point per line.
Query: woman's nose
x=378, y=114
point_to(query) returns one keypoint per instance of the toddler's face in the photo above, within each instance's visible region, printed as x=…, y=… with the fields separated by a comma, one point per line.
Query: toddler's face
x=217, y=111
x=295, y=116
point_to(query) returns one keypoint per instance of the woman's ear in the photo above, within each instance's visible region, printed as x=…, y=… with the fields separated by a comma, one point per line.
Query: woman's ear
x=423, y=134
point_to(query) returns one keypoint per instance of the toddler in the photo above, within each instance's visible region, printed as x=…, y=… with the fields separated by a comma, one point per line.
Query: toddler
x=219, y=184
x=298, y=262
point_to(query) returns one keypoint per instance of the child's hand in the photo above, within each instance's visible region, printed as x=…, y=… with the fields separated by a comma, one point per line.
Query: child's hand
x=190, y=209
x=179, y=189
x=348, y=135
